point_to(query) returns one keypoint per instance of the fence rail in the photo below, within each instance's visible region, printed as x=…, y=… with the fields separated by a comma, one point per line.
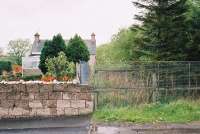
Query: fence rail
x=148, y=81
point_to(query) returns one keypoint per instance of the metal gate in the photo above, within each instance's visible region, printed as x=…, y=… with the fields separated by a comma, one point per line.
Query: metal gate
x=84, y=72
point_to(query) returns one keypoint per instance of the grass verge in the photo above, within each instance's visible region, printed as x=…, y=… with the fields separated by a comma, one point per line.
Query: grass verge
x=181, y=111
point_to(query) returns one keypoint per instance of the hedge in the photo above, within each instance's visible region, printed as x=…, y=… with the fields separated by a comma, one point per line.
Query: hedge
x=5, y=66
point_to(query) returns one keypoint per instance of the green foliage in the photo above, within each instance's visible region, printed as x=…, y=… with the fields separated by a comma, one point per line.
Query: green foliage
x=77, y=50
x=60, y=66
x=179, y=112
x=33, y=77
x=120, y=50
x=51, y=49
x=8, y=58
x=18, y=49
x=5, y=66
x=169, y=29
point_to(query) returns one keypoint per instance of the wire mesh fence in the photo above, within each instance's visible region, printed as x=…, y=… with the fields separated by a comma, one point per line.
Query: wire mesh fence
x=145, y=82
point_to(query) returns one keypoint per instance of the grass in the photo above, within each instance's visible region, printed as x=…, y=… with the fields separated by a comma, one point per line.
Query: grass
x=174, y=112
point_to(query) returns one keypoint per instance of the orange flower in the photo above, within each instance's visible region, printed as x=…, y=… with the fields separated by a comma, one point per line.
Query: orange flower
x=47, y=78
x=17, y=69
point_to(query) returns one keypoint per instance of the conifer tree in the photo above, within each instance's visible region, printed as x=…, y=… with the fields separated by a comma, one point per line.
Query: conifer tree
x=164, y=29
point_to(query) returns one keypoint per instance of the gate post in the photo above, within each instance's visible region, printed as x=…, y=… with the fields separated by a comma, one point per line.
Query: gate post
x=155, y=88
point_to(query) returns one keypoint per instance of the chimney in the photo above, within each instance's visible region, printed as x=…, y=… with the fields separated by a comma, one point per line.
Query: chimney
x=37, y=37
x=93, y=37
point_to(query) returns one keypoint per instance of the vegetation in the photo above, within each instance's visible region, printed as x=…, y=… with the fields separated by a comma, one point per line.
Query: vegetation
x=8, y=58
x=18, y=49
x=179, y=112
x=33, y=77
x=5, y=66
x=50, y=50
x=77, y=50
x=60, y=66
x=168, y=30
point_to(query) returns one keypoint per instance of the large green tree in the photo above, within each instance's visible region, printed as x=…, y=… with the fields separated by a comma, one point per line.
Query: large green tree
x=164, y=29
x=77, y=50
x=51, y=49
x=193, y=23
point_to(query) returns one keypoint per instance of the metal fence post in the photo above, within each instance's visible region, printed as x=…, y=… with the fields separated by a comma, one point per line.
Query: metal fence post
x=155, y=92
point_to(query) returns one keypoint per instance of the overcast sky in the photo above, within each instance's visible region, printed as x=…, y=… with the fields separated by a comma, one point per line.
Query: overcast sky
x=23, y=18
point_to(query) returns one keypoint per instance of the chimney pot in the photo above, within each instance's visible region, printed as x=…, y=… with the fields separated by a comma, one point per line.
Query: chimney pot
x=37, y=37
x=93, y=37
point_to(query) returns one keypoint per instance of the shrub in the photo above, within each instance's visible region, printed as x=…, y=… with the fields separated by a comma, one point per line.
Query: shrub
x=5, y=66
x=33, y=77
x=77, y=50
x=51, y=49
x=59, y=67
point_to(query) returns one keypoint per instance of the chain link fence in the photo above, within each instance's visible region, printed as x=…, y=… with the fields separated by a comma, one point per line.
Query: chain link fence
x=146, y=82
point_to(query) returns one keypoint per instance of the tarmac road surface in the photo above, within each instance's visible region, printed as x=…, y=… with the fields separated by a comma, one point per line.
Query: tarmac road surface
x=64, y=125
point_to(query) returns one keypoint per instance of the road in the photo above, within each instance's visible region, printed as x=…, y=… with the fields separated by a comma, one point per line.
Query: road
x=70, y=125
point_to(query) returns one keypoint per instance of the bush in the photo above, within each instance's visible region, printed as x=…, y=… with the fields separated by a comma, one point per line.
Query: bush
x=51, y=49
x=58, y=67
x=33, y=77
x=5, y=66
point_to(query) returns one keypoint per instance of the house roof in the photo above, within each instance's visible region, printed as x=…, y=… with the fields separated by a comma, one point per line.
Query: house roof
x=37, y=46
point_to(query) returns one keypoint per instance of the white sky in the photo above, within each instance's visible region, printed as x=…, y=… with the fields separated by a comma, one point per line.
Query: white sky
x=23, y=18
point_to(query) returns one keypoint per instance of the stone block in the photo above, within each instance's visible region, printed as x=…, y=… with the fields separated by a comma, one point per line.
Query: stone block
x=58, y=87
x=43, y=112
x=84, y=96
x=60, y=111
x=71, y=88
x=22, y=104
x=55, y=95
x=33, y=112
x=41, y=96
x=85, y=111
x=3, y=112
x=71, y=111
x=69, y=96
x=13, y=95
x=63, y=103
x=32, y=87
x=2, y=95
x=31, y=96
x=35, y=104
x=89, y=104
x=6, y=87
x=53, y=111
x=45, y=87
x=19, y=87
x=18, y=111
x=51, y=103
x=24, y=96
x=7, y=103
x=78, y=103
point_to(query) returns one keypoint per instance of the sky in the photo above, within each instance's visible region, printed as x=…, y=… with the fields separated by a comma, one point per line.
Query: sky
x=23, y=18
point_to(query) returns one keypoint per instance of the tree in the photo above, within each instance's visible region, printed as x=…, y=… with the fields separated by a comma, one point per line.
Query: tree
x=51, y=49
x=77, y=50
x=60, y=66
x=164, y=29
x=193, y=23
x=18, y=49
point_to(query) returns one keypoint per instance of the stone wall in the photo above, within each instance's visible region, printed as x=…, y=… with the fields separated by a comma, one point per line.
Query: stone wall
x=44, y=100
